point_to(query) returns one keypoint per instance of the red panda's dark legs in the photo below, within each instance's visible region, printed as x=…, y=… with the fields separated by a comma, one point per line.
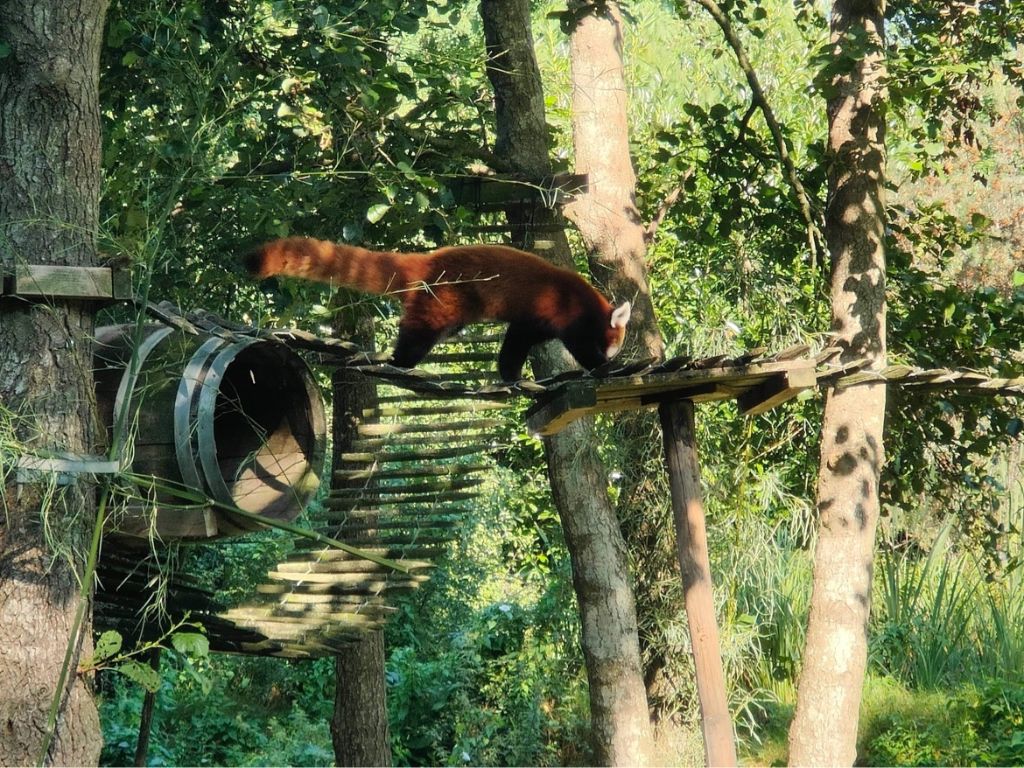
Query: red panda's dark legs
x=413, y=345
x=519, y=338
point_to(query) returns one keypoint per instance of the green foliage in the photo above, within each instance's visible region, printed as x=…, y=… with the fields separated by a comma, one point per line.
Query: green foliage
x=980, y=726
x=234, y=712
x=924, y=618
x=485, y=667
x=267, y=119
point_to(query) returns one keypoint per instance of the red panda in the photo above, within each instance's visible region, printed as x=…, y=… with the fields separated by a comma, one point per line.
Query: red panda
x=444, y=290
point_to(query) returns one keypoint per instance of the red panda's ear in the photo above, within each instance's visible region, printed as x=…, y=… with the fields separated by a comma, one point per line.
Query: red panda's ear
x=620, y=315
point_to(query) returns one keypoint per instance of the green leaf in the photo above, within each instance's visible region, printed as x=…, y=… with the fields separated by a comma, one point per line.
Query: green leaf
x=191, y=643
x=376, y=212
x=980, y=220
x=1018, y=278
x=5, y=50
x=145, y=676
x=108, y=644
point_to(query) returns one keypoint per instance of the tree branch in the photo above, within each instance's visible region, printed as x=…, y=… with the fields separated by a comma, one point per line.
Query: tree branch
x=803, y=201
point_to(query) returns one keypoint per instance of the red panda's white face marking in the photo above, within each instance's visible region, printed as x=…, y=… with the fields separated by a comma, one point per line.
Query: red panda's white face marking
x=620, y=316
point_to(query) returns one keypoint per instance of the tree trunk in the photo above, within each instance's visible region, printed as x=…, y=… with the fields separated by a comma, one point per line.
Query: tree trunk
x=616, y=239
x=824, y=729
x=620, y=721
x=49, y=203
x=359, y=726
x=607, y=216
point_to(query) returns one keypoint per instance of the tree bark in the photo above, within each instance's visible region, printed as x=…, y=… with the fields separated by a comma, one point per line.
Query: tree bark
x=824, y=729
x=359, y=725
x=619, y=717
x=606, y=215
x=49, y=204
x=616, y=239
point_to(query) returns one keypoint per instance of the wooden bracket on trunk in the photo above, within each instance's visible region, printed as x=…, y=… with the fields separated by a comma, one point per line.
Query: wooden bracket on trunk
x=47, y=281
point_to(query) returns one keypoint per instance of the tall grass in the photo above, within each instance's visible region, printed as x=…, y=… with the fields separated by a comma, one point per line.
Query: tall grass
x=942, y=620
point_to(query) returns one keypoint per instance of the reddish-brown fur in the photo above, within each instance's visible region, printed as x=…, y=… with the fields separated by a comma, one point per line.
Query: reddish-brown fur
x=448, y=288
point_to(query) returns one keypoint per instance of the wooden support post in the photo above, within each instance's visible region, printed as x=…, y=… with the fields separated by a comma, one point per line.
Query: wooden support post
x=146, y=720
x=692, y=547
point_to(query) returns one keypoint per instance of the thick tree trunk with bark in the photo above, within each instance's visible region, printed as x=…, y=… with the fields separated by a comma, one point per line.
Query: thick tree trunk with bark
x=824, y=729
x=616, y=240
x=49, y=203
x=359, y=726
x=620, y=721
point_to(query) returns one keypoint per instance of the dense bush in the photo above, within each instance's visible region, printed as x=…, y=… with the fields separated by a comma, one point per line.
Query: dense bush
x=980, y=726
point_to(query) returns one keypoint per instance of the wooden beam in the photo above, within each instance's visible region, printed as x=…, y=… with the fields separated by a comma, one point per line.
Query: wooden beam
x=776, y=390
x=683, y=468
x=498, y=192
x=60, y=282
x=569, y=403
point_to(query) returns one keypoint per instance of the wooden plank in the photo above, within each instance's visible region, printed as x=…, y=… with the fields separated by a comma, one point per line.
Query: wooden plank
x=427, y=470
x=296, y=565
x=349, y=578
x=52, y=281
x=395, y=513
x=437, y=484
x=343, y=569
x=471, y=406
x=567, y=404
x=420, y=455
x=776, y=391
x=430, y=524
x=335, y=503
x=397, y=553
x=581, y=397
x=498, y=192
x=314, y=620
x=379, y=430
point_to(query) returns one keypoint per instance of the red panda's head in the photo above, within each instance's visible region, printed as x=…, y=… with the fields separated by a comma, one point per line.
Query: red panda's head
x=615, y=333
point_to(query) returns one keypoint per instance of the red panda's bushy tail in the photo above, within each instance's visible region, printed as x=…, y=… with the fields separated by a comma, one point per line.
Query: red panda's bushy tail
x=327, y=262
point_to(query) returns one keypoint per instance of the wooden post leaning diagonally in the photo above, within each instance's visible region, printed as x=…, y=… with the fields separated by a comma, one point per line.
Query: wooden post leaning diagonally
x=677, y=425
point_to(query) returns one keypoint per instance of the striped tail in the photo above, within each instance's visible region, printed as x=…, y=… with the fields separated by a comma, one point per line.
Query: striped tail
x=326, y=262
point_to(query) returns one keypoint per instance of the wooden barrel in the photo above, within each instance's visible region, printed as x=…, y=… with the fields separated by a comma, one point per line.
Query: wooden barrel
x=240, y=420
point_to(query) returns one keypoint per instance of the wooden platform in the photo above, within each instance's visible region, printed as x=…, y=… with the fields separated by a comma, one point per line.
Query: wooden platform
x=757, y=387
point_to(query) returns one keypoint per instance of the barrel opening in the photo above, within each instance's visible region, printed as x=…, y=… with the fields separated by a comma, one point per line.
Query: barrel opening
x=266, y=434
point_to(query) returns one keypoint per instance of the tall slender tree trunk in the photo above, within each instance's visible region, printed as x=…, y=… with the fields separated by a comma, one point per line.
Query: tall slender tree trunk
x=49, y=208
x=359, y=726
x=606, y=215
x=620, y=721
x=616, y=239
x=824, y=729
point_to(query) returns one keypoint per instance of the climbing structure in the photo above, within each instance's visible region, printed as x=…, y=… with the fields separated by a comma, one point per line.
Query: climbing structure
x=407, y=472
x=409, y=467
x=406, y=475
